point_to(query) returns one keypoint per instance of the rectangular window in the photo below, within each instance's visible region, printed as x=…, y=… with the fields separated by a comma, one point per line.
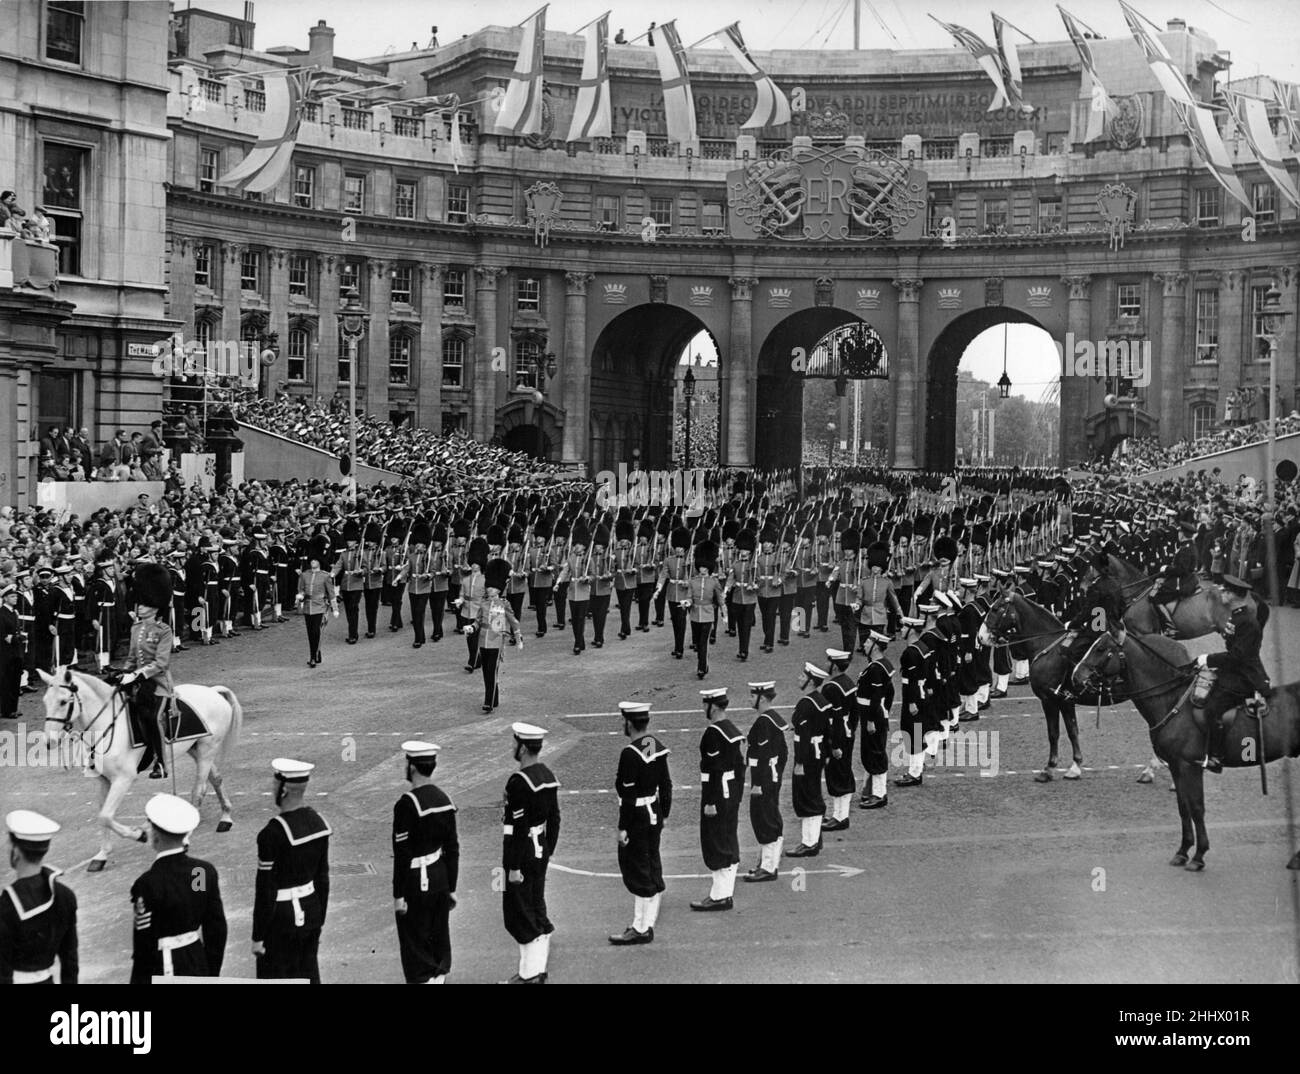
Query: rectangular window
x=354, y=193
x=453, y=361
x=1202, y=420
x=64, y=169
x=404, y=201
x=713, y=216
x=349, y=277
x=202, y=266
x=995, y=213
x=661, y=212
x=209, y=163
x=453, y=288
x=296, y=355
x=345, y=360
x=1207, y=325
x=1049, y=214
x=609, y=210
x=1263, y=196
x=402, y=280
x=1258, y=294
x=1207, y=206
x=526, y=355
x=250, y=270
x=528, y=296
x=457, y=204
x=1128, y=300
x=399, y=360
x=939, y=210
x=304, y=186
x=300, y=275
x=64, y=23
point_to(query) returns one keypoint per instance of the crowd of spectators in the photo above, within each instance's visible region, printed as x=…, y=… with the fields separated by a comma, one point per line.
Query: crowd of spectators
x=1147, y=453
x=36, y=226
x=65, y=454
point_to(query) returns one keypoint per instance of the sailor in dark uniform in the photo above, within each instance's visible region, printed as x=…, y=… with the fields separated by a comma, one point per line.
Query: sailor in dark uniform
x=38, y=915
x=874, y=697
x=915, y=667
x=180, y=924
x=811, y=724
x=839, y=690
x=722, y=785
x=767, y=756
x=645, y=798
x=426, y=861
x=292, y=892
x=1241, y=673
x=531, y=829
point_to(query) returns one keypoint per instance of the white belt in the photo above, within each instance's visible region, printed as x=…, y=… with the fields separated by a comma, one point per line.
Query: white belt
x=34, y=976
x=649, y=802
x=422, y=863
x=295, y=896
x=168, y=944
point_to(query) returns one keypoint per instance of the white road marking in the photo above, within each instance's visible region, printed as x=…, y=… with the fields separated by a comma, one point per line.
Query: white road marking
x=846, y=871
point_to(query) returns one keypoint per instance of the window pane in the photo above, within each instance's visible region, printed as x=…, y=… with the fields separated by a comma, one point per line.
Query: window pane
x=457, y=204
x=995, y=213
x=402, y=276
x=203, y=266
x=349, y=277
x=63, y=25
x=399, y=359
x=1207, y=207
x=404, y=201
x=250, y=263
x=299, y=275
x=528, y=297
x=526, y=354
x=208, y=159
x=1049, y=214
x=453, y=288
x=63, y=169
x=661, y=212
x=1202, y=420
x=1129, y=300
x=354, y=193
x=608, y=211
x=304, y=186
x=453, y=361
x=296, y=366
x=1207, y=325
x=1264, y=198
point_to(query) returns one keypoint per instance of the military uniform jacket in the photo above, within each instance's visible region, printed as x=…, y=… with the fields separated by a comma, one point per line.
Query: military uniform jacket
x=293, y=874
x=38, y=925
x=625, y=573
x=845, y=578
x=768, y=754
x=643, y=785
x=11, y=642
x=26, y=610
x=151, y=653
x=473, y=589
x=426, y=852
x=518, y=582
x=769, y=575
x=441, y=570
x=254, y=568
x=394, y=558
x=915, y=674
x=602, y=573
x=875, y=696
x=227, y=569
x=496, y=622
x=789, y=572
x=577, y=573
x=706, y=598
x=647, y=569
x=675, y=577
x=65, y=612
x=373, y=561
x=180, y=924
x=743, y=582
x=722, y=785
x=878, y=596
x=807, y=568
x=811, y=723
x=531, y=819
x=417, y=573
x=541, y=572
x=841, y=726
x=1240, y=670
x=943, y=669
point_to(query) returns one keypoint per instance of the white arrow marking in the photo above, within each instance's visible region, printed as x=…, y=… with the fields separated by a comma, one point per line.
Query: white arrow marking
x=833, y=870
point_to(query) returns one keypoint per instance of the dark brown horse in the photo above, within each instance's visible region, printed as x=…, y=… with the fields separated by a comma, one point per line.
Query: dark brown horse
x=1156, y=674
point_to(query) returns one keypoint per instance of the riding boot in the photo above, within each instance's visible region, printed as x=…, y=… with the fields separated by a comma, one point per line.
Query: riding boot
x=1214, y=745
x=159, y=770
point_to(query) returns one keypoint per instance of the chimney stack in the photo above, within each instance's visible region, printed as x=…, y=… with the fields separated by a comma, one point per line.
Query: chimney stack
x=320, y=50
x=1175, y=25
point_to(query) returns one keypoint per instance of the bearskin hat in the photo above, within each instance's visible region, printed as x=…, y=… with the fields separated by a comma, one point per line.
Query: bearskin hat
x=496, y=574
x=601, y=539
x=824, y=527
x=878, y=555
x=420, y=533
x=496, y=536
x=850, y=540
x=563, y=529
x=373, y=533
x=477, y=552
x=746, y=541
x=543, y=529
x=351, y=530
x=151, y=585
x=945, y=548
x=646, y=531
x=623, y=529
x=770, y=534
x=515, y=534
x=730, y=530
x=681, y=537
x=706, y=555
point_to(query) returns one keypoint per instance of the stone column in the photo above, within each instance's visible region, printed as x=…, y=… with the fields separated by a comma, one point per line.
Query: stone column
x=1236, y=341
x=278, y=321
x=1074, y=390
x=9, y=434
x=1173, y=353
x=575, y=373
x=484, y=394
x=325, y=360
x=906, y=363
x=230, y=252
x=375, y=378
x=428, y=404
x=740, y=374
x=181, y=287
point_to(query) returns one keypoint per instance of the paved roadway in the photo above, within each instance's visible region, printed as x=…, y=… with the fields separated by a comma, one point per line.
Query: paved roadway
x=971, y=877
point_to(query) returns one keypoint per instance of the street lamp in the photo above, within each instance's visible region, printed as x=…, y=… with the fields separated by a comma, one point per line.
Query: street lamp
x=1274, y=318
x=830, y=444
x=352, y=321
x=688, y=393
x=544, y=368
x=539, y=397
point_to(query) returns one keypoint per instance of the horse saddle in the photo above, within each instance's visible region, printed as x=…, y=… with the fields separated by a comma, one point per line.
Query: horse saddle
x=1253, y=708
x=180, y=724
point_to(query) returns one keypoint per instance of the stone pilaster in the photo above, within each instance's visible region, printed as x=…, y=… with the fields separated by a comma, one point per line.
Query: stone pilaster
x=1236, y=340
x=230, y=252
x=277, y=264
x=181, y=288
x=1173, y=353
x=484, y=377
x=575, y=373
x=375, y=377
x=739, y=375
x=1074, y=390
x=428, y=405
x=905, y=362
x=325, y=360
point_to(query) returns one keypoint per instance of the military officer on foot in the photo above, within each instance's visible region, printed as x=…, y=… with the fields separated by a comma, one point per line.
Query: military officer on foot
x=292, y=892
x=722, y=784
x=426, y=862
x=38, y=915
x=645, y=797
x=180, y=923
x=531, y=830
x=767, y=756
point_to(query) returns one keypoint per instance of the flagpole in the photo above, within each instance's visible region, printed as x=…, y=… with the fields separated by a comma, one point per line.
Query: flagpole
x=593, y=22
x=857, y=24
x=532, y=16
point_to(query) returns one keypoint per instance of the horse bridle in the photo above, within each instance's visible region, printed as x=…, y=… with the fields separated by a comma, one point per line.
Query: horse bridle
x=66, y=723
x=1098, y=679
x=1004, y=637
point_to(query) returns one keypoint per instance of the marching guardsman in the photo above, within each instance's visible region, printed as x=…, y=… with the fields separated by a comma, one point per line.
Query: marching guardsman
x=101, y=600
x=65, y=617
x=811, y=724
x=942, y=576
x=841, y=730
x=38, y=915
x=662, y=544
x=495, y=624
x=706, y=603
x=416, y=576
x=517, y=587
x=675, y=584
x=455, y=561
x=372, y=564
x=727, y=560
x=722, y=784
x=766, y=759
x=426, y=864
x=789, y=583
x=602, y=584
x=13, y=643
x=770, y=585
x=472, y=592
x=647, y=573
x=394, y=559
x=805, y=564
x=282, y=581
x=846, y=584
x=315, y=597
x=560, y=549
x=824, y=560
x=904, y=563
x=148, y=662
x=291, y=896
x=531, y=828
x=176, y=610
x=874, y=697
x=440, y=563
x=228, y=583
x=741, y=593
x=625, y=574
x=645, y=798
x=879, y=598
x=180, y=923
x=541, y=573
x=575, y=580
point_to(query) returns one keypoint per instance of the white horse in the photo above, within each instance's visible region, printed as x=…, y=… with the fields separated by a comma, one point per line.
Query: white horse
x=95, y=714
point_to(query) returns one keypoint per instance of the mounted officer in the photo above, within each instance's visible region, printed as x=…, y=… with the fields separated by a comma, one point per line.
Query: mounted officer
x=148, y=660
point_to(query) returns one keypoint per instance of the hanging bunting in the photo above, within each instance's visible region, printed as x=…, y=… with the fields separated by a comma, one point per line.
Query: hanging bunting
x=1251, y=116
x=592, y=114
x=1201, y=129
x=679, y=102
x=269, y=158
x=1102, y=107
x=1010, y=60
x=771, y=108
x=986, y=56
x=1162, y=65
x=521, y=107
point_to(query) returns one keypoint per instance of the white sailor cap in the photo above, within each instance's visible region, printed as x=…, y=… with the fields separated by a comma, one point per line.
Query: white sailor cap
x=762, y=687
x=63, y=568
x=944, y=601
x=33, y=829
x=291, y=771
x=1022, y=568
x=415, y=749
x=980, y=579
x=1046, y=563
x=172, y=815
x=714, y=694
x=5, y=590
x=929, y=609
x=878, y=638
x=969, y=583
x=812, y=670
x=1068, y=549
x=632, y=709
x=838, y=656
x=911, y=621
x=527, y=732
